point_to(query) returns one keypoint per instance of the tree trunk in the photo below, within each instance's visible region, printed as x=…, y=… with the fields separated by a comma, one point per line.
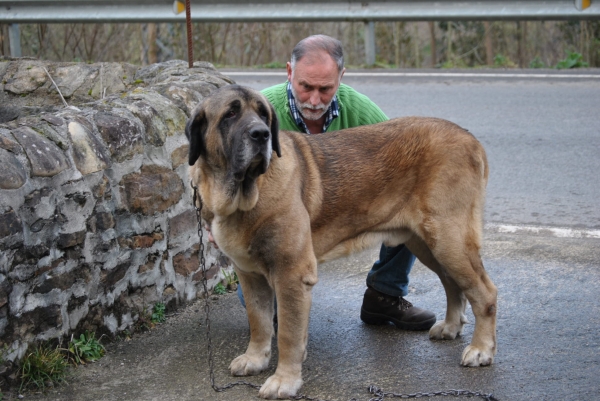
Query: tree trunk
x=489, y=52
x=433, y=46
x=152, y=48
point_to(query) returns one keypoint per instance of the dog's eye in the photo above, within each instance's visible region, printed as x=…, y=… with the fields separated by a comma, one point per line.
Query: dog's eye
x=230, y=114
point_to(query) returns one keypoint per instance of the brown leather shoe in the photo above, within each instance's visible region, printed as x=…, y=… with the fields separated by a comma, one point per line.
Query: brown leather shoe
x=379, y=308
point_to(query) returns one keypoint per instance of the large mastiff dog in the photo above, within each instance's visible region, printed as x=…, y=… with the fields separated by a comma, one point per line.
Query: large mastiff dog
x=280, y=202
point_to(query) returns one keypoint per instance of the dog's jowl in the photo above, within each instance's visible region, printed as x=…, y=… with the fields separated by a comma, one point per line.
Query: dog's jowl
x=279, y=202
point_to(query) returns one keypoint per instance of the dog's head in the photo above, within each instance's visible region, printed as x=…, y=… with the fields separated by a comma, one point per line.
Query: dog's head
x=233, y=134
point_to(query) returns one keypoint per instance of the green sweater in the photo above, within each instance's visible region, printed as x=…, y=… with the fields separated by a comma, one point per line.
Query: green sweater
x=355, y=109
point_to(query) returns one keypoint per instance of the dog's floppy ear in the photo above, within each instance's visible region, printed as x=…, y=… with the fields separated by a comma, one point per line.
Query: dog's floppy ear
x=195, y=130
x=274, y=131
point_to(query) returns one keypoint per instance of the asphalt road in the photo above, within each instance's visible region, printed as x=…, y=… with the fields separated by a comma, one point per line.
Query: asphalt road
x=542, y=135
x=541, y=248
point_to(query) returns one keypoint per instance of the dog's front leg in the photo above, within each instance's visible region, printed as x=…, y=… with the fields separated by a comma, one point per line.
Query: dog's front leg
x=294, y=295
x=258, y=295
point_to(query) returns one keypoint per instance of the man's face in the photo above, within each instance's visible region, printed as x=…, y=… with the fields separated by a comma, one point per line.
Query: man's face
x=315, y=80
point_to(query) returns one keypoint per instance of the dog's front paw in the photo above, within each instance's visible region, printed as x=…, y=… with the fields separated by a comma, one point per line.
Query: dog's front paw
x=445, y=331
x=247, y=365
x=477, y=356
x=280, y=386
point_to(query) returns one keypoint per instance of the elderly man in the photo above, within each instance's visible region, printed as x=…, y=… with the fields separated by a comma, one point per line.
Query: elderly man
x=314, y=101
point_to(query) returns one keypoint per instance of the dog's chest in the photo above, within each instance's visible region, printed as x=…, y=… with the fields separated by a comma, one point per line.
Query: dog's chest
x=233, y=244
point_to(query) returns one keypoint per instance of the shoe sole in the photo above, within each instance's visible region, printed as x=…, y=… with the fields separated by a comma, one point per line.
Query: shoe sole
x=377, y=319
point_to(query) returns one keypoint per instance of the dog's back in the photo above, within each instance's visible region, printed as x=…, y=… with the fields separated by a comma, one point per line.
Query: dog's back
x=383, y=178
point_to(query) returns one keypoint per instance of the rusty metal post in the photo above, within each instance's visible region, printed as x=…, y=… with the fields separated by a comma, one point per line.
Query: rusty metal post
x=188, y=22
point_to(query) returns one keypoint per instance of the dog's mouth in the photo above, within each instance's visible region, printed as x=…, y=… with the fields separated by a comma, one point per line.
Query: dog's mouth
x=246, y=178
x=256, y=167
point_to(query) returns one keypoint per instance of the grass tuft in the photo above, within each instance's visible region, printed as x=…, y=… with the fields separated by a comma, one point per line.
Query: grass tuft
x=44, y=366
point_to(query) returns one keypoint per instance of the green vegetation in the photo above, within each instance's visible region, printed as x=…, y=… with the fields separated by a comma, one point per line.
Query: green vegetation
x=536, y=63
x=502, y=61
x=573, y=60
x=148, y=318
x=158, y=313
x=44, y=366
x=47, y=365
x=219, y=289
x=86, y=348
x=231, y=279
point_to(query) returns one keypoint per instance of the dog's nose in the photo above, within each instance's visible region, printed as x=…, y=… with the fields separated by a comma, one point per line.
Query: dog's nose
x=260, y=134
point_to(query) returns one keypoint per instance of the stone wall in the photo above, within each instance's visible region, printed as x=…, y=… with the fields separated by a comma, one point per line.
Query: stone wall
x=96, y=220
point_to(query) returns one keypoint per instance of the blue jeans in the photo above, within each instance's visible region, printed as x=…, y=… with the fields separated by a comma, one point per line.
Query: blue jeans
x=388, y=275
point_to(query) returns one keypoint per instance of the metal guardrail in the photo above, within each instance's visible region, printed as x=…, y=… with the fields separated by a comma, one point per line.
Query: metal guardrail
x=61, y=11
x=97, y=11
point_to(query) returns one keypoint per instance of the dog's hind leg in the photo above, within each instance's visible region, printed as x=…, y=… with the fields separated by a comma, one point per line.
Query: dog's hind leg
x=483, y=298
x=259, y=307
x=457, y=252
x=456, y=302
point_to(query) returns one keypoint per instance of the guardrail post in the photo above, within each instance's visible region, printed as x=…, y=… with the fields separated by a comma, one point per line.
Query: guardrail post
x=14, y=38
x=370, y=42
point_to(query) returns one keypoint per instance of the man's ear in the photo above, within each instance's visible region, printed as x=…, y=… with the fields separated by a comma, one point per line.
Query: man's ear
x=274, y=131
x=195, y=130
x=288, y=68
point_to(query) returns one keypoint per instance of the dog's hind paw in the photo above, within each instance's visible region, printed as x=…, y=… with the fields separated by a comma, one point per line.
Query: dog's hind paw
x=474, y=356
x=280, y=386
x=445, y=331
x=246, y=365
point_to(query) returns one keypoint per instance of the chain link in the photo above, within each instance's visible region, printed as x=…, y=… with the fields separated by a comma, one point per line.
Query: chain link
x=211, y=362
x=379, y=394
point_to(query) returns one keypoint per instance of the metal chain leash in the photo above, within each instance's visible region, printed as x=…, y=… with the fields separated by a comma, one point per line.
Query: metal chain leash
x=379, y=394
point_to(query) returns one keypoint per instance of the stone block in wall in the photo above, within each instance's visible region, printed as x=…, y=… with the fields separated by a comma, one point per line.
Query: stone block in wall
x=149, y=264
x=32, y=253
x=211, y=272
x=26, y=79
x=161, y=118
x=183, y=223
x=110, y=278
x=154, y=189
x=180, y=156
x=45, y=157
x=102, y=189
x=88, y=151
x=63, y=281
x=123, y=136
x=187, y=262
x=12, y=174
x=69, y=78
x=100, y=221
x=145, y=241
x=37, y=321
x=185, y=98
x=8, y=113
x=8, y=143
x=10, y=224
x=69, y=240
x=52, y=127
x=5, y=290
x=76, y=302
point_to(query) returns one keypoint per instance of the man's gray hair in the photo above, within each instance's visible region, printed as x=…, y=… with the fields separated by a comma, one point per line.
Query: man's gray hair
x=332, y=46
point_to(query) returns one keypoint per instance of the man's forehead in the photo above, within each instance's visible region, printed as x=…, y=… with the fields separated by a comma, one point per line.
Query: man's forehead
x=316, y=71
x=317, y=57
